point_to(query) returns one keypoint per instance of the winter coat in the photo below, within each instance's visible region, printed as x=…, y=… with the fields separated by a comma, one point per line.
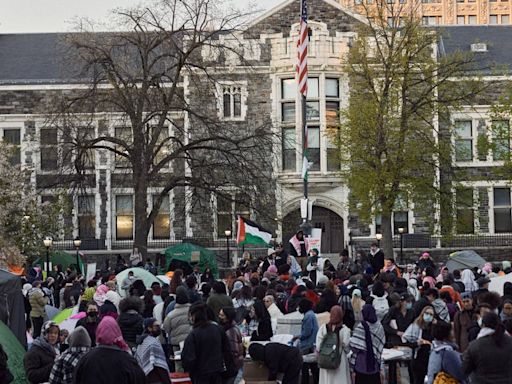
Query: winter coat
x=236, y=345
x=395, y=321
x=461, y=324
x=376, y=261
x=487, y=363
x=131, y=324
x=108, y=364
x=38, y=364
x=37, y=301
x=177, y=324
x=443, y=357
x=264, y=331
x=202, y=353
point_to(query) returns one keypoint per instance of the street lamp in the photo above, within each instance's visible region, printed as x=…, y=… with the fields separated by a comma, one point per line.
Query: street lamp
x=227, y=232
x=378, y=236
x=48, y=241
x=401, y=232
x=77, y=242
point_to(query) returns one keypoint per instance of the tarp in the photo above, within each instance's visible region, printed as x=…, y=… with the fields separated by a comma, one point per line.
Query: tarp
x=15, y=352
x=60, y=257
x=140, y=274
x=192, y=254
x=497, y=283
x=464, y=260
x=12, y=306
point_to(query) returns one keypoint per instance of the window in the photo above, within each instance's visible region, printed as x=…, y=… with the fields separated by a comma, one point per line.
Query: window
x=84, y=136
x=162, y=222
x=391, y=22
x=314, y=148
x=358, y=2
x=13, y=138
x=493, y=19
x=86, y=217
x=289, y=150
x=472, y=19
x=465, y=222
x=505, y=19
x=313, y=101
x=232, y=101
x=460, y=20
x=124, y=217
x=162, y=137
x=333, y=155
x=501, y=140
x=228, y=207
x=49, y=152
x=502, y=210
x=463, y=140
x=332, y=107
x=125, y=134
x=400, y=219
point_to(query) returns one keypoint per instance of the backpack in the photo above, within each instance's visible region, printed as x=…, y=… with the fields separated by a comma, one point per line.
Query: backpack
x=381, y=306
x=329, y=355
x=443, y=377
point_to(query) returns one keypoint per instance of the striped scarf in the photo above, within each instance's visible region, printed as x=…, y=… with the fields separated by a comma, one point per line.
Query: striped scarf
x=150, y=354
x=358, y=339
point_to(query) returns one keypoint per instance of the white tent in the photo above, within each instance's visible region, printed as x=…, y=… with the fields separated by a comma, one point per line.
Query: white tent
x=497, y=283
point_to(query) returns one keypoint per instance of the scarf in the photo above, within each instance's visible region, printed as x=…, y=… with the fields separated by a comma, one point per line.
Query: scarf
x=109, y=333
x=101, y=295
x=369, y=337
x=296, y=244
x=468, y=278
x=150, y=355
x=485, y=332
x=295, y=266
x=389, y=268
x=42, y=343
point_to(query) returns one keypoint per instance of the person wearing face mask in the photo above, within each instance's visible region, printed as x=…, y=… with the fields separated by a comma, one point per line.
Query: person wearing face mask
x=395, y=323
x=90, y=321
x=475, y=328
x=150, y=355
x=39, y=360
x=419, y=336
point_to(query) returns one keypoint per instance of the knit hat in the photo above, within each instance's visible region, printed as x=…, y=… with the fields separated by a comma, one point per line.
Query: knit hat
x=79, y=338
x=181, y=295
x=149, y=322
x=466, y=295
x=272, y=269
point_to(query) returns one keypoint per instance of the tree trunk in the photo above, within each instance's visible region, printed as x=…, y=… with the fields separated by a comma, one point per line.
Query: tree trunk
x=141, y=213
x=387, y=234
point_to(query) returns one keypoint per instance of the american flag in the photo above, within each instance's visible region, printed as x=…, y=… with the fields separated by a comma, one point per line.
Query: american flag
x=302, y=49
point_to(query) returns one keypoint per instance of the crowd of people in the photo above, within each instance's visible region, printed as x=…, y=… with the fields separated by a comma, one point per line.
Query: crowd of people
x=447, y=325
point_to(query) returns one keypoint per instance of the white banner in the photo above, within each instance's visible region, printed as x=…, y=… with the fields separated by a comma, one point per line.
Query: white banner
x=315, y=240
x=91, y=271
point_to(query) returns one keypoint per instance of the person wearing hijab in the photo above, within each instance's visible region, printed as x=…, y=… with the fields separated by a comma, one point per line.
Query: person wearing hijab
x=79, y=345
x=367, y=344
x=96, y=366
x=468, y=278
x=279, y=358
x=150, y=355
x=38, y=361
x=335, y=324
x=101, y=295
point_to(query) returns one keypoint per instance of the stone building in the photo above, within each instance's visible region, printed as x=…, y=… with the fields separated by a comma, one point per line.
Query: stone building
x=247, y=96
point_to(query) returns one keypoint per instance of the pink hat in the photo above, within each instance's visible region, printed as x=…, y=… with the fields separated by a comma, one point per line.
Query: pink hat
x=425, y=254
x=272, y=269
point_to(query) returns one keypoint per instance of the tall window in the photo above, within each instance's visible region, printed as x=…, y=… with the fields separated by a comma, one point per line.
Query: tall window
x=313, y=121
x=332, y=108
x=493, y=19
x=88, y=157
x=501, y=139
x=12, y=136
x=86, y=217
x=463, y=140
x=288, y=94
x=400, y=219
x=125, y=134
x=48, y=149
x=460, y=20
x=162, y=222
x=505, y=19
x=232, y=101
x=465, y=222
x=124, y=217
x=502, y=210
x=162, y=137
x=472, y=19
x=228, y=209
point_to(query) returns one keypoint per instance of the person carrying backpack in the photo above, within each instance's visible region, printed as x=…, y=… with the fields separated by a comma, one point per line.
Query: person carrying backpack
x=379, y=300
x=332, y=341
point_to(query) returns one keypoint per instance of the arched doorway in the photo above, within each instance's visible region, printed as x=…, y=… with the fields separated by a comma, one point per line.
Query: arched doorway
x=330, y=222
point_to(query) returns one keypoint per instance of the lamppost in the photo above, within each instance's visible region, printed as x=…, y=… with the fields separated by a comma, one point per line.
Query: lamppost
x=227, y=232
x=401, y=232
x=48, y=241
x=77, y=242
x=378, y=236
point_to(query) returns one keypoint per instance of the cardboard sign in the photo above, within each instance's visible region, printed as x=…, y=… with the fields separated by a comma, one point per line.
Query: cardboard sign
x=315, y=240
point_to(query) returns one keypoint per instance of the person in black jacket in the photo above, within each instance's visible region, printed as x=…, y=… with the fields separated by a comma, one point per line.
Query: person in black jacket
x=278, y=358
x=38, y=361
x=203, y=351
x=260, y=318
x=376, y=258
x=130, y=319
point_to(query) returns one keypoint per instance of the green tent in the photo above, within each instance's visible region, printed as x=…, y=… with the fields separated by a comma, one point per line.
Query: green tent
x=15, y=353
x=191, y=253
x=61, y=257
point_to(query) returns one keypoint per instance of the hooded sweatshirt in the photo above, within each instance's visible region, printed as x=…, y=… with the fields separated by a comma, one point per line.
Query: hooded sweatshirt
x=444, y=357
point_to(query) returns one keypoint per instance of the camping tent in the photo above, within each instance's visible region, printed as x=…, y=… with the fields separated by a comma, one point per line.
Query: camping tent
x=61, y=257
x=464, y=260
x=191, y=253
x=496, y=284
x=140, y=274
x=15, y=352
x=12, y=306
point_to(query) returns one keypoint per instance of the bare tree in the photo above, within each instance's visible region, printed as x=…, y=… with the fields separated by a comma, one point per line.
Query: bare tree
x=158, y=80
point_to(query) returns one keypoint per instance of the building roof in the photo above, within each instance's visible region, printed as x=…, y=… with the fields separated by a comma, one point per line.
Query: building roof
x=33, y=58
x=498, y=40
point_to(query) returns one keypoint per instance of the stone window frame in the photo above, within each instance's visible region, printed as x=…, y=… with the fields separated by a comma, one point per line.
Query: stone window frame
x=214, y=201
x=19, y=126
x=152, y=196
x=473, y=208
x=399, y=207
x=493, y=208
x=231, y=87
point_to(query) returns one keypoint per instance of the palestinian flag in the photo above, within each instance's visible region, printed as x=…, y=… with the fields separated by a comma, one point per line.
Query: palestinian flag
x=251, y=233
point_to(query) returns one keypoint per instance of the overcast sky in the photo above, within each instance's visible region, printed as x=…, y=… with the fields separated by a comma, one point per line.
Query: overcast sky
x=18, y=16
